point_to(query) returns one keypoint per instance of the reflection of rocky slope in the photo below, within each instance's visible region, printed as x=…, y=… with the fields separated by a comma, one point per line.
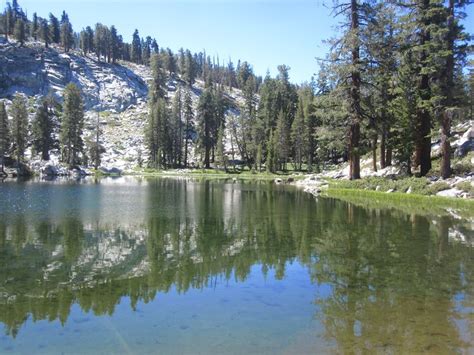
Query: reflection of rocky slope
x=184, y=234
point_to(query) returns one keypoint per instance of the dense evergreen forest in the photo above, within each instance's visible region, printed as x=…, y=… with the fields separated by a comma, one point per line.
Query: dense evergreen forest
x=396, y=75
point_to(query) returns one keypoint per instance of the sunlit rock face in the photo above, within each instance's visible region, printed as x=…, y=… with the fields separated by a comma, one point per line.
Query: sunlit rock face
x=35, y=70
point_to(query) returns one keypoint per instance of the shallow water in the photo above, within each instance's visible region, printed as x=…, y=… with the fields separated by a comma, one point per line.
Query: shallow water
x=173, y=266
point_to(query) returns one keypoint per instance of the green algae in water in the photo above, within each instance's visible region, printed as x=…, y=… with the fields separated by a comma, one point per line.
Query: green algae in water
x=168, y=266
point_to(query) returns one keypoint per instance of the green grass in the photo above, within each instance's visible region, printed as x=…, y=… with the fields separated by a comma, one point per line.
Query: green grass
x=417, y=204
x=463, y=165
x=418, y=186
x=467, y=187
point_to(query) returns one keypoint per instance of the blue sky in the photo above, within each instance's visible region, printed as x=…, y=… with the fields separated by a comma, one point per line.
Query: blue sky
x=266, y=33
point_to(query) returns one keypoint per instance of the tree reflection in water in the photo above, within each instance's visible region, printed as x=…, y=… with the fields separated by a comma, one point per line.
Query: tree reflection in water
x=397, y=282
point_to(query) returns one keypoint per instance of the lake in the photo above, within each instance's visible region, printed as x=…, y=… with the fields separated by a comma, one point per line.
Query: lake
x=135, y=265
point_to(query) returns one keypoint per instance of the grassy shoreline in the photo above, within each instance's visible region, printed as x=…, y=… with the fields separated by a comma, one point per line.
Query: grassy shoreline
x=409, y=203
x=215, y=174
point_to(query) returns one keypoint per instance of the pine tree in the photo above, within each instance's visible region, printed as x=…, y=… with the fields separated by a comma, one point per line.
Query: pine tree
x=42, y=131
x=454, y=47
x=158, y=140
x=9, y=21
x=311, y=123
x=346, y=56
x=331, y=111
x=181, y=61
x=66, y=33
x=114, y=44
x=470, y=90
x=146, y=50
x=44, y=32
x=86, y=40
x=100, y=41
x=355, y=105
x=176, y=129
x=136, y=54
x=231, y=76
x=258, y=159
x=19, y=32
x=221, y=158
x=282, y=141
x=206, y=122
x=404, y=107
x=72, y=124
x=54, y=30
x=35, y=27
x=271, y=156
x=4, y=135
x=299, y=136
x=170, y=63
x=19, y=131
x=156, y=134
x=189, y=69
x=188, y=119
x=17, y=12
x=422, y=28
x=383, y=44
x=154, y=47
x=96, y=149
x=158, y=85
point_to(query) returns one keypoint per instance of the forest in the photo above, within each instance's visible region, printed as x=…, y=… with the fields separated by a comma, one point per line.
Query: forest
x=398, y=76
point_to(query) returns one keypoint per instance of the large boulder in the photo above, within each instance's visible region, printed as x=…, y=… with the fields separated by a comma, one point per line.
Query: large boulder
x=50, y=170
x=19, y=170
x=464, y=148
x=465, y=144
x=450, y=193
x=115, y=171
x=77, y=172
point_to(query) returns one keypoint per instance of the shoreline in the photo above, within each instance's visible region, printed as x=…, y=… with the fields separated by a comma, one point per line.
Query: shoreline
x=319, y=185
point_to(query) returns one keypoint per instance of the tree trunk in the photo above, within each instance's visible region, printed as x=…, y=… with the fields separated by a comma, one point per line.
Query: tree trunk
x=382, y=148
x=310, y=163
x=354, y=158
x=423, y=142
x=186, y=144
x=423, y=126
x=445, y=145
x=2, y=166
x=374, y=153
x=449, y=85
x=45, y=154
x=207, y=158
x=388, y=157
x=354, y=133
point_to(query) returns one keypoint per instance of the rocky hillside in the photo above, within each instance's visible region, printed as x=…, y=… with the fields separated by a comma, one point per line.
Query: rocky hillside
x=36, y=71
x=116, y=92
